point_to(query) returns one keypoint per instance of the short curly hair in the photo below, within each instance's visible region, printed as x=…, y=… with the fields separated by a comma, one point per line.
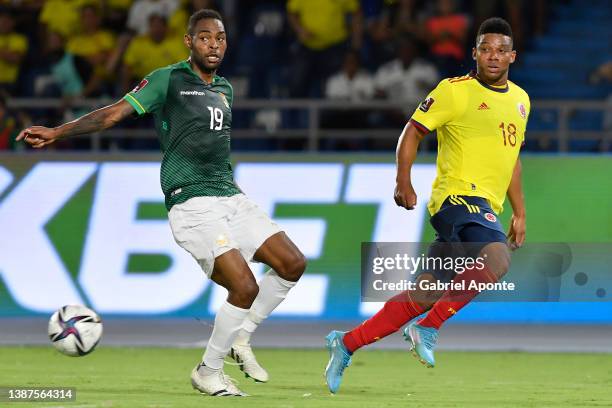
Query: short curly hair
x=495, y=25
x=201, y=15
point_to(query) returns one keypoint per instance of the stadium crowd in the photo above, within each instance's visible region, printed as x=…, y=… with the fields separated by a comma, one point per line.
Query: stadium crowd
x=349, y=50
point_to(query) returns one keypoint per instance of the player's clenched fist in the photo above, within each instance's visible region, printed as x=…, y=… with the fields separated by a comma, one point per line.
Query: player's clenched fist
x=405, y=196
x=38, y=136
x=516, y=234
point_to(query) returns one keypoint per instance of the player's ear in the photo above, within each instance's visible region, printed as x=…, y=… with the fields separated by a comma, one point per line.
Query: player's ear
x=512, y=56
x=187, y=40
x=474, y=53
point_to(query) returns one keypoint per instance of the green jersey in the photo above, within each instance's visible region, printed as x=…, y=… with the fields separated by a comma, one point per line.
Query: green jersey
x=193, y=120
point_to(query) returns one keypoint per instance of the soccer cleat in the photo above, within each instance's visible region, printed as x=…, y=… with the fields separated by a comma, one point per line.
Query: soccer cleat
x=244, y=356
x=339, y=359
x=216, y=384
x=422, y=342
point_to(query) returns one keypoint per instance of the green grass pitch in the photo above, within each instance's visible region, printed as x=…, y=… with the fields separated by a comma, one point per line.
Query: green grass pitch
x=159, y=377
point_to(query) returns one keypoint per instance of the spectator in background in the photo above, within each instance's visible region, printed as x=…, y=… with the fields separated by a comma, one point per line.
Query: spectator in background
x=153, y=50
x=115, y=15
x=446, y=33
x=178, y=20
x=142, y=10
x=61, y=16
x=388, y=20
x=9, y=126
x=352, y=83
x=92, y=43
x=322, y=34
x=13, y=47
x=69, y=76
x=406, y=79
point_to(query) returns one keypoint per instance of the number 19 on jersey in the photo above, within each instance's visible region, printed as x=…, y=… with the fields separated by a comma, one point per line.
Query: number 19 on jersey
x=216, y=118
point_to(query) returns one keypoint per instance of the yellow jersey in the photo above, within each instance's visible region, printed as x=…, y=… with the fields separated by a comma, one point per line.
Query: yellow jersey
x=61, y=16
x=13, y=42
x=87, y=45
x=144, y=56
x=324, y=19
x=480, y=130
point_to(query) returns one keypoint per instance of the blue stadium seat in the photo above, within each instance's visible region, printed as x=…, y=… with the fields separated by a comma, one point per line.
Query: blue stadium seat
x=586, y=120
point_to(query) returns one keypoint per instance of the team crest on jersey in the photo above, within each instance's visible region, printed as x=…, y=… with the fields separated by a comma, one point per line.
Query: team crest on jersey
x=222, y=240
x=426, y=104
x=225, y=102
x=141, y=85
x=522, y=110
x=490, y=217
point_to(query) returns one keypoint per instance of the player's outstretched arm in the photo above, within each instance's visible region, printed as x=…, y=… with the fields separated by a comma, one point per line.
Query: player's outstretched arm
x=518, y=222
x=405, y=155
x=103, y=118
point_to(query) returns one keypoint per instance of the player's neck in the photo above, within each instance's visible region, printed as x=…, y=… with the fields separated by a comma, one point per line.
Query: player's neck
x=500, y=83
x=206, y=76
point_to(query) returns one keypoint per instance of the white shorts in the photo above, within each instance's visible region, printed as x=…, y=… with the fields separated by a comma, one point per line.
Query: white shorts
x=208, y=227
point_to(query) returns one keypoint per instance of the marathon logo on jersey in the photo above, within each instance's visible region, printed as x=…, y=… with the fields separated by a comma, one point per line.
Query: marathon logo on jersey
x=194, y=93
x=141, y=85
x=522, y=110
x=426, y=104
x=490, y=217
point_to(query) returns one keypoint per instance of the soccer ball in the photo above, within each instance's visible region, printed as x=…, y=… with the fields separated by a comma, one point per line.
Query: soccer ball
x=75, y=330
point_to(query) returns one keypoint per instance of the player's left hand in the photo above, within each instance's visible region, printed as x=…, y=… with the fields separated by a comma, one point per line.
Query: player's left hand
x=516, y=234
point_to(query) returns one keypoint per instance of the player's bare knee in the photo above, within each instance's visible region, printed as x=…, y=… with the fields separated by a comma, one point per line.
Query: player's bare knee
x=293, y=269
x=299, y=266
x=244, y=295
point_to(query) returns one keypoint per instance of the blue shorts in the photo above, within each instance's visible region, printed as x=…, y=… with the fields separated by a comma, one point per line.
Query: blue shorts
x=467, y=219
x=464, y=225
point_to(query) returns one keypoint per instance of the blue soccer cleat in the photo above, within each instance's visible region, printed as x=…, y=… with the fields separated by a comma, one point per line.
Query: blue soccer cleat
x=339, y=359
x=422, y=342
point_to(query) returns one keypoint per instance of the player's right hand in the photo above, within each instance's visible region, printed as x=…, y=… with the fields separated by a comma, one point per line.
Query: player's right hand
x=405, y=195
x=38, y=136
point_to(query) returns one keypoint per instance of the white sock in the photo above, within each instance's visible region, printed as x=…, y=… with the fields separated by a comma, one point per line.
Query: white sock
x=228, y=321
x=272, y=291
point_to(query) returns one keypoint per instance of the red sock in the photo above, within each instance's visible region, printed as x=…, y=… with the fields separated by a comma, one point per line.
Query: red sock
x=454, y=299
x=398, y=311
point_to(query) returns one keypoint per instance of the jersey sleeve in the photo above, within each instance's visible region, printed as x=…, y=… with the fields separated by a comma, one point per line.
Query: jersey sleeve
x=150, y=93
x=437, y=109
x=528, y=111
x=230, y=94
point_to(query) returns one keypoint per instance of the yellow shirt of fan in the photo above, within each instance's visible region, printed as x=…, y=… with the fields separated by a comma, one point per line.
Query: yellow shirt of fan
x=143, y=55
x=324, y=19
x=16, y=43
x=480, y=131
x=63, y=16
x=87, y=45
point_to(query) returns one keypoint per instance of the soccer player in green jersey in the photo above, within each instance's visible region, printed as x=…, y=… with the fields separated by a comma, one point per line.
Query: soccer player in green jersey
x=209, y=216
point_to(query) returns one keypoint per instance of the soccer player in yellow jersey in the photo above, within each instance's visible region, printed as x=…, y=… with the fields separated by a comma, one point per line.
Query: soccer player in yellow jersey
x=480, y=120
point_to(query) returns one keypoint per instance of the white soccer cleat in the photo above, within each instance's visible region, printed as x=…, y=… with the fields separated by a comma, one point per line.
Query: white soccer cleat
x=244, y=356
x=217, y=384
